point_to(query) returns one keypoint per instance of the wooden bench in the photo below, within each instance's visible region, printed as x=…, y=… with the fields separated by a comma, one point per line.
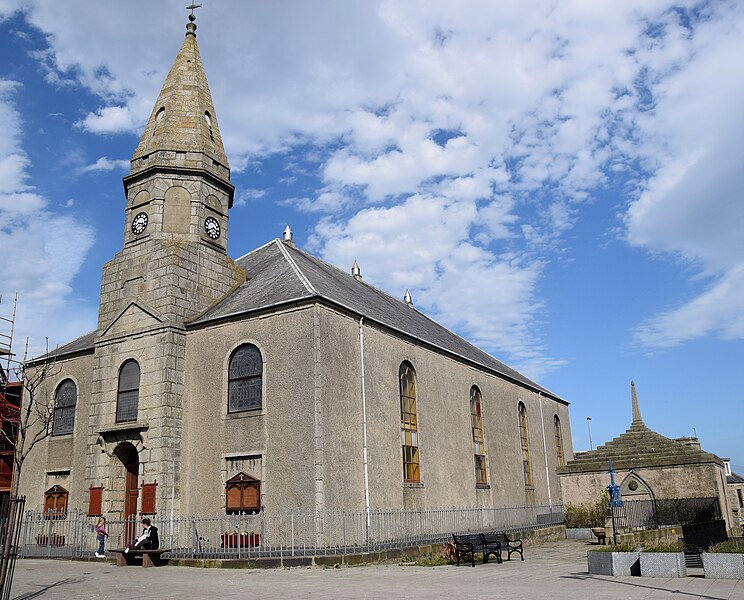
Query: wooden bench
x=150, y=558
x=508, y=544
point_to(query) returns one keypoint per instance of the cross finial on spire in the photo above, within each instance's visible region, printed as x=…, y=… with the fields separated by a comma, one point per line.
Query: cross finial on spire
x=636, y=408
x=191, y=26
x=192, y=8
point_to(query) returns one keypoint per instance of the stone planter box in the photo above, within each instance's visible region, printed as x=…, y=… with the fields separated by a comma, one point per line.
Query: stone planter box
x=579, y=533
x=723, y=565
x=663, y=564
x=618, y=564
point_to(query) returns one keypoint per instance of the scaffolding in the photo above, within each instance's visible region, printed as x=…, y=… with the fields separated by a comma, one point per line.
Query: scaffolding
x=11, y=393
x=7, y=329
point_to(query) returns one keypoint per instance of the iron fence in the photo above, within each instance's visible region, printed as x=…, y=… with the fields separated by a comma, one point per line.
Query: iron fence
x=652, y=514
x=11, y=515
x=273, y=534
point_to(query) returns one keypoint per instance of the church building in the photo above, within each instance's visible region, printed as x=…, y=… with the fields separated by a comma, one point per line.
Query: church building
x=273, y=381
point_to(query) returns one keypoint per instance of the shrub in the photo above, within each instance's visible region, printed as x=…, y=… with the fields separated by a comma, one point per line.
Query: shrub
x=674, y=546
x=728, y=547
x=587, y=515
x=626, y=547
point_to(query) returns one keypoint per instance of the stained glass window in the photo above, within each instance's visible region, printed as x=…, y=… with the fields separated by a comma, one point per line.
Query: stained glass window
x=245, y=379
x=65, y=401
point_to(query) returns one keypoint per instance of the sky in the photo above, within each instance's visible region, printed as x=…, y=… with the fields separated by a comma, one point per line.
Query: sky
x=559, y=183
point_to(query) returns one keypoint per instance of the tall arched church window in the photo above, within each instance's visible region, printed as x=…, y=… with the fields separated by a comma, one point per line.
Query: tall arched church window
x=245, y=379
x=127, y=398
x=558, y=441
x=479, y=447
x=65, y=401
x=525, y=443
x=409, y=423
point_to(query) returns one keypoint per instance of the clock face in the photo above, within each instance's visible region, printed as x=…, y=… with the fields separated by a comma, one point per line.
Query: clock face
x=139, y=223
x=212, y=227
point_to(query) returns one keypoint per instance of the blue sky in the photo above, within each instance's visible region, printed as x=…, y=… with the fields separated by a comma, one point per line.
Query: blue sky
x=559, y=183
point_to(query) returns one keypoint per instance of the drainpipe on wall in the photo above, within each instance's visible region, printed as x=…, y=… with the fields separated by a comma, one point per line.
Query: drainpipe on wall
x=545, y=448
x=364, y=421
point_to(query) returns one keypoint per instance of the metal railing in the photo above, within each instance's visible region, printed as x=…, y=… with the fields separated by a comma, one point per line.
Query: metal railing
x=652, y=514
x=273, y=534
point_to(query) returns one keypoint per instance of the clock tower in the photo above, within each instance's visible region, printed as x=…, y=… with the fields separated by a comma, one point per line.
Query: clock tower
x=172, y=267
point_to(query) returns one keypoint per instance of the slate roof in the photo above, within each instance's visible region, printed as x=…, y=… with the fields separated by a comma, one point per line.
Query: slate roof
x=279, y=273
x=734, y=478
x=85, y=343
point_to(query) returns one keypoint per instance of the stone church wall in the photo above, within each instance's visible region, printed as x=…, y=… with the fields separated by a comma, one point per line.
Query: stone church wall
x=61, y=459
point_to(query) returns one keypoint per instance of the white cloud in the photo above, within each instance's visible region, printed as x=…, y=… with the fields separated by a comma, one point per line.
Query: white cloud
x=40, y=257
x=106, y=164
x=693, y=206
x=476, y=134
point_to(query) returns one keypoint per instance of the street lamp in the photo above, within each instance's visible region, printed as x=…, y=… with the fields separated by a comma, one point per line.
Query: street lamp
x=589, y=427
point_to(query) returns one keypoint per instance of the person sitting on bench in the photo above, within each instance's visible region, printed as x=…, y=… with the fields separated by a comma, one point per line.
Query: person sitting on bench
x=148, y=540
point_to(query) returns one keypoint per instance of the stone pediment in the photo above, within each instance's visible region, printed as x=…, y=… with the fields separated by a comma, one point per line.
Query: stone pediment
x=135, y=317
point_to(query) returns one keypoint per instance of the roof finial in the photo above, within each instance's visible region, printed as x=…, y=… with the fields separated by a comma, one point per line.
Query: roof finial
x=191, y=26
x=636, y=408
x=288, y=236
x=407, y=299
x=356, y=271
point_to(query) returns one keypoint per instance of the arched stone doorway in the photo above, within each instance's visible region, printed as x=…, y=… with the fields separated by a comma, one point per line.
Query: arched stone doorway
x=127, y=454
x=633, y=487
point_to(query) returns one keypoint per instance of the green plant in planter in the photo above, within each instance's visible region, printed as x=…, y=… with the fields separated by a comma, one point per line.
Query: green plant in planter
x=625, y=547
x=587, y=515
x=664, y=547
x=727, y=547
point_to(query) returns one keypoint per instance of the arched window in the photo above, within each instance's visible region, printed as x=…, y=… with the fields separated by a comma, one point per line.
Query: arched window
x=524, y=440
x=245, y=379
x=127, y=398
x=479, y=447
x=558, y=441
x=409, y=423
x=64, y=408
x=158, y=117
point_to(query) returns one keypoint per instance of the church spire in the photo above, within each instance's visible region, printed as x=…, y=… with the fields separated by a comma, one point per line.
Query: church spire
x=182, y=130
x=636, y=408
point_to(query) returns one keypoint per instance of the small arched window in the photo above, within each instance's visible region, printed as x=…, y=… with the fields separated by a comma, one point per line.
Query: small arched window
x=208, y=120
x=558, y=441
x=409, y=423
x=65, y=401
x=127, y=398
x=479, y=447
x=245, y=379
x=525, y=443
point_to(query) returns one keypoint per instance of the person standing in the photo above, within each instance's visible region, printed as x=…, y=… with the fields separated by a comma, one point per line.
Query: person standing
x=101, y=533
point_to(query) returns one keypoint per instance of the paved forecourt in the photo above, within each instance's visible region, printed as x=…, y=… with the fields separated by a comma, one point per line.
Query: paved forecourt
x=555, y=570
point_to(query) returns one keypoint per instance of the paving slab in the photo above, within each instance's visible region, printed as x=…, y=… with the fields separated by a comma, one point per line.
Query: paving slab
x=555, y=570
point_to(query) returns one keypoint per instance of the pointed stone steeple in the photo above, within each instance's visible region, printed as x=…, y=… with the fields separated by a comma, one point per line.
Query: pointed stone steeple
x=182, y=131
x=637, y=420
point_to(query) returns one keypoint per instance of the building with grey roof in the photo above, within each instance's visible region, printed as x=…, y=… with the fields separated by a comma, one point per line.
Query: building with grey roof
x=276, y=380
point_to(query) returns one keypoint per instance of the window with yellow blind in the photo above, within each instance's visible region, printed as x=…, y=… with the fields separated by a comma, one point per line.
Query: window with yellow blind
x=409, y=423
x=242, y=494
x=525, y=443
x=479, y=446
x=558, y=441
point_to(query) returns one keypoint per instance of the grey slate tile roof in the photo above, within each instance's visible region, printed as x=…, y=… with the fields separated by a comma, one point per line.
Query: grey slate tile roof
x=278, y=273
x=734, y=478
x=85, y=343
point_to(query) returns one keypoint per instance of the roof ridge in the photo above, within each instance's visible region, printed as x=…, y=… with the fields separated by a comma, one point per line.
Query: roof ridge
x=301, y=276
x=255, y=250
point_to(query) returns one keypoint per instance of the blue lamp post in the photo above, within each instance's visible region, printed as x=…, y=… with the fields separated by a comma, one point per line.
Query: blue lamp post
x=615, y=501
